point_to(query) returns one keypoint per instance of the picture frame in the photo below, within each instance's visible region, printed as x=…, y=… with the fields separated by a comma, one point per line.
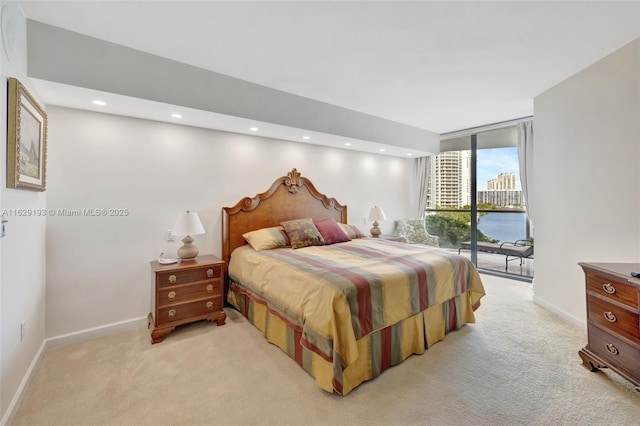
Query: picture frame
x=26, y=139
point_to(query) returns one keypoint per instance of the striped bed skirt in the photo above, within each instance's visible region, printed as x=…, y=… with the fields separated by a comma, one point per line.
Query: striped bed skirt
x=378, y=350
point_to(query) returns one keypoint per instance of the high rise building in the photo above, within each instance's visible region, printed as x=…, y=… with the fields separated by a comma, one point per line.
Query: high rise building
x=450, y=180
x=503, y=181
x=501, y=197
x=450, y=184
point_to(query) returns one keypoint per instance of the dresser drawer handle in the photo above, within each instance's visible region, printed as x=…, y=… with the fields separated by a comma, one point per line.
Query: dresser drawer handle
x=172, y=279
x=608, y=288
x=612, y=349
x=210, y=288
x=171, y=295
x=210, y=273
x=172, y=313
x=209, y=305
x=610, y=316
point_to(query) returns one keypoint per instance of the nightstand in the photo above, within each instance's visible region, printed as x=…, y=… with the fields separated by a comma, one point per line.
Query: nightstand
x=185, y=292
x=391, y=238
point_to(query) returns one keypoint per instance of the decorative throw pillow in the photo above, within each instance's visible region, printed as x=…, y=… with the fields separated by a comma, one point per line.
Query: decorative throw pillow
x=302, y=233
x=267, y=238
x=351, y=231
x=331, y=231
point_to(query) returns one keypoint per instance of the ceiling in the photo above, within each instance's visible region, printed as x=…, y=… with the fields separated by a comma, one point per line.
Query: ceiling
x=440, y=66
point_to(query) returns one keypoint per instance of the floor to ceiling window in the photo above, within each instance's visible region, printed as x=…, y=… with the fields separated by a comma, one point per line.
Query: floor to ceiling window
x=477, y=175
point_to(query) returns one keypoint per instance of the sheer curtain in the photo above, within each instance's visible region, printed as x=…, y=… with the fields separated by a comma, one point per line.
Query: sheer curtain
x=423, y=169
x=525, y=158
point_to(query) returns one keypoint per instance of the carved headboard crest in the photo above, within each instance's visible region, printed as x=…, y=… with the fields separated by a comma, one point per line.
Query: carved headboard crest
x=293, y=181
x=288, y=197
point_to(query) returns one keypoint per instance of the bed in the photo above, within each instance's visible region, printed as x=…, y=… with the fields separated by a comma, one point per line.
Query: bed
x=345, y=310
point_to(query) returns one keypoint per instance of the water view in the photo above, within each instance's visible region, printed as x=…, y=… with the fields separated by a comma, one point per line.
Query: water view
x=504, y=226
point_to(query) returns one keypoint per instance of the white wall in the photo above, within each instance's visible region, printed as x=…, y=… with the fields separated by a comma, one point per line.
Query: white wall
x=587, y=177
x=22, y=251
x=98, y=267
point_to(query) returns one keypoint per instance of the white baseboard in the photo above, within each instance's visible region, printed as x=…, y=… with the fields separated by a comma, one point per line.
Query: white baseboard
x=92, y=333
x=559, y=312
x=17, y=397
x=65, y=339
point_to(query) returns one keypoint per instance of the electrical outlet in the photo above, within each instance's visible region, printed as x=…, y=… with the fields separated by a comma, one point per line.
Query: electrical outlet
x=23, y=330
x=170, y=236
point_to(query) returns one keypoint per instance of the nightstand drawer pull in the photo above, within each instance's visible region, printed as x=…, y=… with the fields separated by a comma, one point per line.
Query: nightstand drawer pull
x=209, y=305
x=608, y=288
x=172, y=313
x=210, y=273
x=612, y=349
x=610, y=316
x=171, y=295
x=210, y=288
x=172, y=279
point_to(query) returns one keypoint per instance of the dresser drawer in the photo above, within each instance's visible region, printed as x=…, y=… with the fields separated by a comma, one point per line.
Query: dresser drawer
x=188, y=310
x=612, y=317
x=614, y=290
x=614, y=351
x=186, y=276
x=185, y=293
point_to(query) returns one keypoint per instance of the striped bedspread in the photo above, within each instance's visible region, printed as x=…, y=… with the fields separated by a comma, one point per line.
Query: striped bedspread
x=339, y=293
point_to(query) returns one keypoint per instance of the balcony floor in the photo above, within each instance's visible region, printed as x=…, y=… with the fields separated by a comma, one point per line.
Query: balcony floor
x=496, y=262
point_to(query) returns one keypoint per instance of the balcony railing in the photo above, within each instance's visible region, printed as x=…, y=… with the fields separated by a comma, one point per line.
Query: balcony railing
x=453, y=227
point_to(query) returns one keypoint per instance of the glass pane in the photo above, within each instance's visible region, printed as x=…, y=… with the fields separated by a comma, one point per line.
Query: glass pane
x=505, y=229
x=452, y=228
x=450, y=183
x=501, y=208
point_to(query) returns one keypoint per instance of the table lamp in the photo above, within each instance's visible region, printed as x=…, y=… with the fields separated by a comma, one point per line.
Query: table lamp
x=188, y=224
x=376, y=214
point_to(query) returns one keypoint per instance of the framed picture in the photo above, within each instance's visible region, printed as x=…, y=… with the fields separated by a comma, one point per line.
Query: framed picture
x=26, y=140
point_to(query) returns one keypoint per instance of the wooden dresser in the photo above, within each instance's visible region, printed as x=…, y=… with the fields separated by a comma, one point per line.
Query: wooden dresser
x=613, y=325
x=185, y=292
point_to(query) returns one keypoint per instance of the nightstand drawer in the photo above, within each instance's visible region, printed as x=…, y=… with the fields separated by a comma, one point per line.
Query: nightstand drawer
x=612, y=317
x=614, y=351
x=614, y=290
x=189, y=310
x=186, y=276
x=185, y=293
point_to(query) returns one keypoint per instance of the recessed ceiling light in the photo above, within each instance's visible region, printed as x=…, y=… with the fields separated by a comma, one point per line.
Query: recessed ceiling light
x=253, y=129
x=347, y=144
x=176, y=115
x=382, y=150
x=101, y=103
x=409, y=154
x=306, y=138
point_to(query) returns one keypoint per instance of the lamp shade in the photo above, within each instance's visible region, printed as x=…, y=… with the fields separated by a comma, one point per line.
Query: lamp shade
x=376, y=214
x=188, y=224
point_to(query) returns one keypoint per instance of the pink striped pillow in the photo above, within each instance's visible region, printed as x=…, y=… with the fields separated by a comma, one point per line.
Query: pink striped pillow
x=351, y=231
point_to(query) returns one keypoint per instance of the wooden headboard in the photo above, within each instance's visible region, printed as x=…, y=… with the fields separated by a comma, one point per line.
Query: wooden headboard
x=289, y=197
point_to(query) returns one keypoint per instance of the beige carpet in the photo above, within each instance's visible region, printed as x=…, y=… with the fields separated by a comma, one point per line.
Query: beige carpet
x=517, y=366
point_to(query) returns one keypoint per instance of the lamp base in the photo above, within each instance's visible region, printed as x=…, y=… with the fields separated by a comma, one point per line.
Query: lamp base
x=188, y=251
x=375, y=231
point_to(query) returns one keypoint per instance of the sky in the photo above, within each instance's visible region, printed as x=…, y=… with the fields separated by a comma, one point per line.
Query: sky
x=492, y=162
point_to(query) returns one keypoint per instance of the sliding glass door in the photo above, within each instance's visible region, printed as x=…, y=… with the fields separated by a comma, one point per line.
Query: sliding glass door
x=477, y=176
